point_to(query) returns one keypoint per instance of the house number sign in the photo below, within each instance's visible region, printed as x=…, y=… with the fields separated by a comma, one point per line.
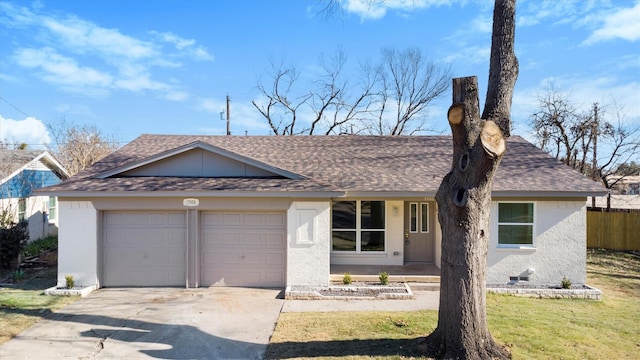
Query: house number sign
x=190, y=202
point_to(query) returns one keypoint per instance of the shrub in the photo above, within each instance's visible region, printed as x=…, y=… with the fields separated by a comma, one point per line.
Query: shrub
x=70, y=281
x=565, y=283
x=384, y=278
x=346, y=279
x=18, y=275
x=12, y=239
x=39, y=246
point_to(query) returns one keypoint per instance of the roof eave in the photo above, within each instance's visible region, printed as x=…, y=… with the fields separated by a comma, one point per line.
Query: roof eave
x=209, y=194
x=547, y=194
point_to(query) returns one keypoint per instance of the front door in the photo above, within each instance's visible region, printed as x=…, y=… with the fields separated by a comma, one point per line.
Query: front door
x=418, y=232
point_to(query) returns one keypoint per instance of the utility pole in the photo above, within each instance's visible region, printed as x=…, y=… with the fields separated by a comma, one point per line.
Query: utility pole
x=595, y=127
x=228, y=116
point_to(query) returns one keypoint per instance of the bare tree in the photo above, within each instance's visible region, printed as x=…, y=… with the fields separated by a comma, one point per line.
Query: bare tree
x=403, y=83
x=464, y=199
x=587, y=141
x=79, y=146
x=411, y=82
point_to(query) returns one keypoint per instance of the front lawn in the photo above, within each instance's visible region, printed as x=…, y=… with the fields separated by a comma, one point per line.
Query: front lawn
x=22, y=299
x=530, y=328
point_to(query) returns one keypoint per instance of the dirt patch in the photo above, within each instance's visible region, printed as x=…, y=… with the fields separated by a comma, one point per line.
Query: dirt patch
x=37, y=271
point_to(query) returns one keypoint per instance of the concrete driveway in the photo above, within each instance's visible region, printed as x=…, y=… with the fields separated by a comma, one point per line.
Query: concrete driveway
x=161, y=323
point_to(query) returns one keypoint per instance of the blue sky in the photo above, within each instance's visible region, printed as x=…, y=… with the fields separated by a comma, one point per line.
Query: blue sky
x=166, y=66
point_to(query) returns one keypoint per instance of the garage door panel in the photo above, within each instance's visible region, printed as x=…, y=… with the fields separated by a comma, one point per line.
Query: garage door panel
x=275, y=239
x=144, y=248
x=243, y=249
x=276, y=220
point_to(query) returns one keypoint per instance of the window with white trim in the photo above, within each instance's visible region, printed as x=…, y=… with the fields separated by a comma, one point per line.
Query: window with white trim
x=358, y=226
x=515, y=224
x=22, y=209
x=53, y=208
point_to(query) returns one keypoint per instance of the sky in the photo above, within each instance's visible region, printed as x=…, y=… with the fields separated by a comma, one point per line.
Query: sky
x=166, y=66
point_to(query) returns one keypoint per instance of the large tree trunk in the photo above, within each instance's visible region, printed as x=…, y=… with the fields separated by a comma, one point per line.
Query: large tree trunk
x=464, y=200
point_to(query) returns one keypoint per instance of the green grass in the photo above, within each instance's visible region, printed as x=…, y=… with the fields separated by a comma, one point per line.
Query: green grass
x=531, y=328
x=24, y=304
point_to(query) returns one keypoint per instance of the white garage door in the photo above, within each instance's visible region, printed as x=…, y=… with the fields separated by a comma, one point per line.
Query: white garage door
x=144, y=248
x=243, y=249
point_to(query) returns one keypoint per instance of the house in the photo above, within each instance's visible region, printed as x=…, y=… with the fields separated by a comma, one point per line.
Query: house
x=272, y=211
x=22, y=172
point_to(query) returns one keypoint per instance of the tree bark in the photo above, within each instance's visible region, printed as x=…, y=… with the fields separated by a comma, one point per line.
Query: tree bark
x=464, y=200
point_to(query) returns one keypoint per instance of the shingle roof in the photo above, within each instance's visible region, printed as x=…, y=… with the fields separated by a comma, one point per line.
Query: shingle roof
x=413, y=164
x=12, y=161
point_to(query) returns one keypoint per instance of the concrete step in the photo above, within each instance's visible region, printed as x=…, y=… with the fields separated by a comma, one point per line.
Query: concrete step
x=392, y=278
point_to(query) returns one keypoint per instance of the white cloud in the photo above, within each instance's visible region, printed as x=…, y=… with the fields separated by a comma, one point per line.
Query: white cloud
x=74, y=109
x=373, y=10
x=623, y=24
x=62, y=70
x=82, y=36
x=30, y=131
x=187, y=46
x=176, y=96
x=547, y=11
x=118, y=61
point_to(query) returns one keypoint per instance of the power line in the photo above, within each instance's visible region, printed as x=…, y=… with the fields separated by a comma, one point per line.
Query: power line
x=15, y=107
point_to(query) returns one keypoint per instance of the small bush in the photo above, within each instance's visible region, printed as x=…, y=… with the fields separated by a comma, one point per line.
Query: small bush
x=70, y=281
x=39, y=246
x=384, y=278
x=346, y=279
x=12, y=239
x=18, y=275
x=565, y=283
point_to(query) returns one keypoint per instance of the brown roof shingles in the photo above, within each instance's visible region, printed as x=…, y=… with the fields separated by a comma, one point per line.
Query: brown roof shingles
x=334, y=163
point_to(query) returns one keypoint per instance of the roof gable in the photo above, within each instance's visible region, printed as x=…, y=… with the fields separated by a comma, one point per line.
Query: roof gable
x=13, y=162
x=198, y=159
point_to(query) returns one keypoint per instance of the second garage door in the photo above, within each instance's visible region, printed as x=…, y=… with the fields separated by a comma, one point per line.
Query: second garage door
x=243, y=249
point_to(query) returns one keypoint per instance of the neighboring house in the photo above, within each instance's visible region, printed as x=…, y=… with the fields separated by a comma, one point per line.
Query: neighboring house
x=22, y=172
x=272, y=211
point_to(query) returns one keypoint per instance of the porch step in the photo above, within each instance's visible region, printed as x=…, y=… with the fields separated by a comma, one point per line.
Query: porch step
x=392, y=278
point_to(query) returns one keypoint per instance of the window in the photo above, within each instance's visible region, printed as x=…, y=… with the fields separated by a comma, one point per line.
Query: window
x=515, y=224
x=22, y=209
x=419, y=217
x=53, y=208
x=358, y=226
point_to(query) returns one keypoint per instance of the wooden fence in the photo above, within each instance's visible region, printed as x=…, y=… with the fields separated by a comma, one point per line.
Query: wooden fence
x=615, y=230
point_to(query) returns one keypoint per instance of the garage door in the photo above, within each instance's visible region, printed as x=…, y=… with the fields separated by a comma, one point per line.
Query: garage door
x=144, y=248
x=243, y=249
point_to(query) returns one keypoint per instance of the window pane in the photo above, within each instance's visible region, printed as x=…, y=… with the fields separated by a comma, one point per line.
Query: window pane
x=52, y=208
x=515, y=234
x=372, y=241
x=424, y=219
x=372, y=214
x=413, y=225
x=344, y=214
x=515, y=212
x=344, y=241
x=22, y=209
